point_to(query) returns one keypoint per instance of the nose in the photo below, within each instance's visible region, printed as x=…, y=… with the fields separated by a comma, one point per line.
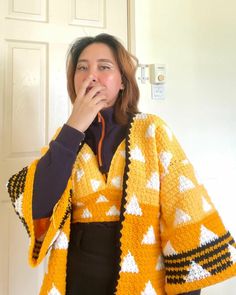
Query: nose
x=94, y=78
x=93, y=71
x=93, y=81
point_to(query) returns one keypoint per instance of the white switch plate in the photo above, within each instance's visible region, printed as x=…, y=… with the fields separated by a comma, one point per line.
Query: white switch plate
x=158, y=91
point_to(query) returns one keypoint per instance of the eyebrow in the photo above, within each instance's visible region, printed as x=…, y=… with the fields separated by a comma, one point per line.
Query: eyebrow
x=99, y=60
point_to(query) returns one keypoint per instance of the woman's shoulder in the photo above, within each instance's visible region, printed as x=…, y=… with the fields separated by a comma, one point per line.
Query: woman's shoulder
x=153, y=125
x=149, y=118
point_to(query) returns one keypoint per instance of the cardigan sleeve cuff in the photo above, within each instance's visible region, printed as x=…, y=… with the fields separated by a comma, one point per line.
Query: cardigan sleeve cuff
x=70, y=138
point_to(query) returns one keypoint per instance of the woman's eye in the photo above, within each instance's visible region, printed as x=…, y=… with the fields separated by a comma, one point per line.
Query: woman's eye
x=81, y=68
x=104, y=67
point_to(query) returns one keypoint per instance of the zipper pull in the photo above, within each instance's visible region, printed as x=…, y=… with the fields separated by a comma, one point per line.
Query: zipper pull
x=99, y=117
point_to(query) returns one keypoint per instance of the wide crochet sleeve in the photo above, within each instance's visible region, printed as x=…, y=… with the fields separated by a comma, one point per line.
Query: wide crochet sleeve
x=198, y=250
x=20, y=189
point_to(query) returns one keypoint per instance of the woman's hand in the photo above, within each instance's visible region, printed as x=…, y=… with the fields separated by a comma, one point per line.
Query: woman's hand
x=88, y=103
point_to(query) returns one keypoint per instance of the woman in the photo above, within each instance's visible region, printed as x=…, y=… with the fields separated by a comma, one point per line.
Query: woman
x=114, y=198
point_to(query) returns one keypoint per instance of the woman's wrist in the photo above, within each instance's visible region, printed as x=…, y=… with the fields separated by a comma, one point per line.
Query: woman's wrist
x=70, y=137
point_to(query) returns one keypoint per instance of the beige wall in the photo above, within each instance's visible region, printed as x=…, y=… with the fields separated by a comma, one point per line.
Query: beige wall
x=197, y=42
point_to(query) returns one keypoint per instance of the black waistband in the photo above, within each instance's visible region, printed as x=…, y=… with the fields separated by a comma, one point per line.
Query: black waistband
x=95, y=237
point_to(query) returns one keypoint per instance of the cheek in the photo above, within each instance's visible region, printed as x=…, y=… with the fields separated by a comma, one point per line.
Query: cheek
x=113, y=82
x=77, y=81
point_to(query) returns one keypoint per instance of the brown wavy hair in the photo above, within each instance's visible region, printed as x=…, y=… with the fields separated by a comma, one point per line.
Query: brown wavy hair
x=127, y=100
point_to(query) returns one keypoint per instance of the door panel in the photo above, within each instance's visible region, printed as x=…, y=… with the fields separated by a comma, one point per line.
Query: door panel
x=34, y=39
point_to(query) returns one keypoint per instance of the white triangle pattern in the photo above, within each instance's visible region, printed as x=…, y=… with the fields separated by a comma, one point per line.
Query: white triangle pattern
x=101, y=199
x=207, y=236
x=149, y=290
x=113, y=211
x=61, y=241
x=169, y=250
x=165, y=158
x=185, y=184
x=18, y=205
x=86, y=213
x=141, y=116
x=133, y=207
x=150, y=131
x=116, y=181
x=95, y=184
x=79, y=174
x=160, y=263
x=54, y=291
x=181, y=217
x=154, y=182
x=129, y=264
x=137, y=155
x=79, y=204
x=54, y=238
x=149, y=238
x=232, y=251
x=86, y=156
x=196, y=272
x=206, y=206
x=169, y=132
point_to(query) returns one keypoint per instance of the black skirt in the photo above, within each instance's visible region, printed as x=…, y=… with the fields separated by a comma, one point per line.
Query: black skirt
x=92, y=258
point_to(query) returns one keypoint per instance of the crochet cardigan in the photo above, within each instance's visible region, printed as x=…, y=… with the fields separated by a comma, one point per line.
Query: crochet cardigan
x=172, y=239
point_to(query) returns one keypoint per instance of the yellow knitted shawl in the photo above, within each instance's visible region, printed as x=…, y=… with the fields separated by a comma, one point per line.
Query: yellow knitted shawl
x=172, y=239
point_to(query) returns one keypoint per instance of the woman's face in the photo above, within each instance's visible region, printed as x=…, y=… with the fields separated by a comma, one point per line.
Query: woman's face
x=97, y=60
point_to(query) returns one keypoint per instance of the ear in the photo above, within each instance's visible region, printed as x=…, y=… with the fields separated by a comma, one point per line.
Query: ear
x=122, y=86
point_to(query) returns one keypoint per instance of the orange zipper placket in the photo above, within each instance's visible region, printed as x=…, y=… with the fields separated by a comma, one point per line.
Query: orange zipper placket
x=101, y=120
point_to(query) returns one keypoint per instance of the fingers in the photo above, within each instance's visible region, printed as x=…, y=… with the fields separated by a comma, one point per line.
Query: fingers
x=93, y=92
x=101, y=105
x=88, y=92
x=84, y=86
x=98, y=100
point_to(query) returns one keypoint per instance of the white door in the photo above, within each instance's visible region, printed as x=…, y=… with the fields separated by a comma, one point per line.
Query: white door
x=34, y=38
